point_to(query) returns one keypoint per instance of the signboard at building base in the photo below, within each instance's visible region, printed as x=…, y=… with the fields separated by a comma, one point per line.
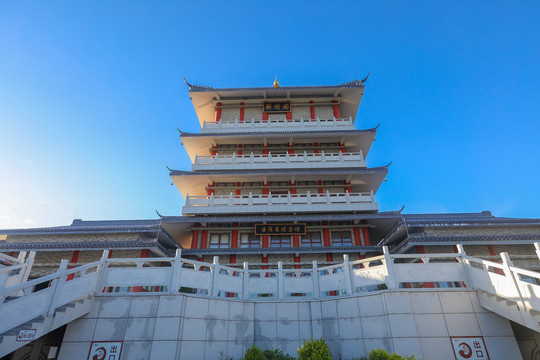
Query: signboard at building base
x=469, y=348
x=26, y=335
x=105, y=350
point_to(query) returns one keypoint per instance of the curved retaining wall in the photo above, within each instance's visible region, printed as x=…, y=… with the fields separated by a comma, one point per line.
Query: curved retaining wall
x=189, y=327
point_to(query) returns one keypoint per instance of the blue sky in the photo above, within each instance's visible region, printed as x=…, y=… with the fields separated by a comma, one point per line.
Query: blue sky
x=91, y=94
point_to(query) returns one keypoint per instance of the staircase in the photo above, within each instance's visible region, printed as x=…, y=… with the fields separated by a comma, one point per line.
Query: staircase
x=44, y=324
x=44, y=304
x=508, y=291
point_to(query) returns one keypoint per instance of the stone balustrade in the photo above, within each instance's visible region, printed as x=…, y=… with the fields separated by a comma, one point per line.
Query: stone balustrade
x=281, y=124
x=279, y=203
x=303, y=160
x=156, y=276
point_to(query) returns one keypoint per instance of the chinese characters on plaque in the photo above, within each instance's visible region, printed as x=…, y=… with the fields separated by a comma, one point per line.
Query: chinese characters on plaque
x=280, y=229
x=469, y=348
x=276, y=106
x=105, y=350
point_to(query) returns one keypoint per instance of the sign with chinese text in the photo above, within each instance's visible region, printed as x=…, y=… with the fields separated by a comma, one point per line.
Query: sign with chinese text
x=105, y=350
x=280, y=229
x=276, y=106
x=26, y=335
x=469, y=348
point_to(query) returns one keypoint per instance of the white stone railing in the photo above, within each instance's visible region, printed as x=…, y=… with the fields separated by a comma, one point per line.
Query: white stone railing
x=277, y=161
x=21, y=303
x=155, y=276
x=219, y=204
x=281, y=124
x=18, y=270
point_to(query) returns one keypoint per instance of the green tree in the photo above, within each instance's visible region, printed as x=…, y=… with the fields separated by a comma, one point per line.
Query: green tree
x=314, y=350
x=381, y=354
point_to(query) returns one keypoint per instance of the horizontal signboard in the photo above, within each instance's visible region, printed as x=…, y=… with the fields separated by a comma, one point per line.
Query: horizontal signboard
x=276, y=106
x=280, y=229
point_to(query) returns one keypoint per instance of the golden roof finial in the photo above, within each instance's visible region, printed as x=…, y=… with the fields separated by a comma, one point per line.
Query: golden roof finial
x=276, y=84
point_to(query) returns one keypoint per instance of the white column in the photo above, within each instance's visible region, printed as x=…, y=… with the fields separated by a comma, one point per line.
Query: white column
x=215, y=289
x=389, y=264
x=315, y=277
x=176, y=268
x=347, y=272
x=280, y=280
x=245, y=285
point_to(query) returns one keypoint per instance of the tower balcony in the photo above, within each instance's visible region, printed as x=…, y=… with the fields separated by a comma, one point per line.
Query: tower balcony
x=280, y=124
x=279, y=203
x=282, y=161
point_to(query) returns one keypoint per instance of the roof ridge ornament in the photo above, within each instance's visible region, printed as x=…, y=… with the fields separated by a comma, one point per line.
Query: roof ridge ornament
x=355, y=82
x=195, y=86
x=364, y=80
x=276, y=83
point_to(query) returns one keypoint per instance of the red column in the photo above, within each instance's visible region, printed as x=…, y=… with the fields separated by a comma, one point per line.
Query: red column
x=240, y=146
x=312, y=110
x=204, y=239
x=357, y=237
x=241, y=112
x=264, y=259
x=238, y=188
x=292, y=187
x=316, y=145
x=265, y=189
x=211, y=190
x=365, y=232
x=265, y=149
x=195, y=237
x=264, y=115
x=234, y=237
x=296, y=260
x=110, y=254
x=347, y=188
x=288, y=116
x=73, y=260
x=492, y=252
x=341, y=147
x=213, y=151
x=296, y=243
x=320, y=184
x=218, y=112
x=296, y=240
x=326, y=234
x=335, y=107
x=290, y=148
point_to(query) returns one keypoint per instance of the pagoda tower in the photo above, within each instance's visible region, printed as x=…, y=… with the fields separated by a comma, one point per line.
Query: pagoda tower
x=279, y=174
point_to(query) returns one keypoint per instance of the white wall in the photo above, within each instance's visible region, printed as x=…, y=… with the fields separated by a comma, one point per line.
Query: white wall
x=188, y=327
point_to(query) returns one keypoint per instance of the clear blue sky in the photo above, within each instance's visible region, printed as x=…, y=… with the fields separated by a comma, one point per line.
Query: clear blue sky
x=91, y=94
